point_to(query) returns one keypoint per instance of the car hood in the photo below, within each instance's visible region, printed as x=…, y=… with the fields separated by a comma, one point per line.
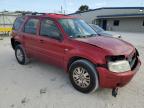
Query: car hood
x=113, y=45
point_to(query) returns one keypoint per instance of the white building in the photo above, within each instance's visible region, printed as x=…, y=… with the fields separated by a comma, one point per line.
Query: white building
x=7, y=19
x=129, y=19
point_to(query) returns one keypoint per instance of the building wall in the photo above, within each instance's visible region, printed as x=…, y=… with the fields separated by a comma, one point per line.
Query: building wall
x=127, y=24
x=90, y=16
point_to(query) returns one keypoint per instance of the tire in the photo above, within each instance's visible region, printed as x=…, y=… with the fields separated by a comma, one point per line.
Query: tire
x=21, y=55
x=86, y=82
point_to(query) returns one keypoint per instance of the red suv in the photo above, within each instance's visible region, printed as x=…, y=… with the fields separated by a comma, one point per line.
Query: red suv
x=92, y=61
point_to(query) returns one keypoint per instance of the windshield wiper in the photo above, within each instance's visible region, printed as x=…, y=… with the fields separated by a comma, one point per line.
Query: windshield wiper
x=92, y=35
x=80, y=36
x=84, y=36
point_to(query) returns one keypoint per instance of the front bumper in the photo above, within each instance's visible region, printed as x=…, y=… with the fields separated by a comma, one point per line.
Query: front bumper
x=109, y=79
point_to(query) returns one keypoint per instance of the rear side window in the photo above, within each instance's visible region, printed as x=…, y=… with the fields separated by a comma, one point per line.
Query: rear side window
x=18, y=22
x=31, y=26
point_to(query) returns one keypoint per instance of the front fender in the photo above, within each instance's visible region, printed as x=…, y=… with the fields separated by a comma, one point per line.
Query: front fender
x=94, y=57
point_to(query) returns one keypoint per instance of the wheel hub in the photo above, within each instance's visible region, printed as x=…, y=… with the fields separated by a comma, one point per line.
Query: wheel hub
x=19, y=55
x=81, y=77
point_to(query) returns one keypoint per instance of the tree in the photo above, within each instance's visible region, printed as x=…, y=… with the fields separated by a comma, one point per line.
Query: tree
x=83, y=8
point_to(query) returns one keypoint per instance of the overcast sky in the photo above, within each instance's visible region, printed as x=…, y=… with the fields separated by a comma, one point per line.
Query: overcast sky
x=69, y=6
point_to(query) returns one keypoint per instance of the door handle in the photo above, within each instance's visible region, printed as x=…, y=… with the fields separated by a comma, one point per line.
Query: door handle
x=41, y=41
x=66, y=50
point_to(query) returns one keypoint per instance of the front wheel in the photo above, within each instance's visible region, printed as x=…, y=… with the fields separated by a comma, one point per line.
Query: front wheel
x=83, y=76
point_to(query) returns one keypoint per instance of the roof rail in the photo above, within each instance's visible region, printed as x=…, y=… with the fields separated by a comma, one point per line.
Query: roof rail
x=32, y=13
x=57, y=13
x=36, y=13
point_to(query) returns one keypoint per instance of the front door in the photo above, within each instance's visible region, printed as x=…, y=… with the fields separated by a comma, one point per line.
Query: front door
x=51, y=46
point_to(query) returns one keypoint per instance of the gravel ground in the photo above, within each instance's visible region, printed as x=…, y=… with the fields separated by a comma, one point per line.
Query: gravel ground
x=39, y=85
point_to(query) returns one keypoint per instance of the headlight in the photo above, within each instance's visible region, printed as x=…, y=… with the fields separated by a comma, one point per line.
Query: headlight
x=119, y=66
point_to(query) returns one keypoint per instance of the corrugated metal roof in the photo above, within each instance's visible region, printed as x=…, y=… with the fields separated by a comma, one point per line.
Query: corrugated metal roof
x=120, y=16
x=109, y=8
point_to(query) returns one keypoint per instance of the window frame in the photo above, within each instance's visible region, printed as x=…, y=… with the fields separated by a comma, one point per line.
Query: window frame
x=116, y=22
x=43, y=19
x=23, y=29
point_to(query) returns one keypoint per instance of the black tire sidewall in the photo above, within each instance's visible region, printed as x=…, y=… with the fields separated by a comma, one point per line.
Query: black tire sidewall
x=93, y=78
x=20, y=48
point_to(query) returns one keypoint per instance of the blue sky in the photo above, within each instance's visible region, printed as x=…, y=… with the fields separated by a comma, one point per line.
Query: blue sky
x=68, y=5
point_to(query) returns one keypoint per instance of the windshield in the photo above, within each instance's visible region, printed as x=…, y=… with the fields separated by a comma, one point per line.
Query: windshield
x=77, y=28
x=97, y=28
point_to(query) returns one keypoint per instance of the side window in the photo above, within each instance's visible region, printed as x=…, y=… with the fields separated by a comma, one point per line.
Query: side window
x=31, y=26
x=18, y=22
x=116, y=23
x=49, y=29
x=143, y=22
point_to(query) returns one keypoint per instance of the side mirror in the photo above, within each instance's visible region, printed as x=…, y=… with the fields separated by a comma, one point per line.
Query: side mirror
x=57, y=36
x=120, y=36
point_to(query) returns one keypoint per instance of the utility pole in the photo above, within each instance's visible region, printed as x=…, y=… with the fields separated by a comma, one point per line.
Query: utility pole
x=61, y=9
x=65, y=3
x=141, y=10
x=3, y=15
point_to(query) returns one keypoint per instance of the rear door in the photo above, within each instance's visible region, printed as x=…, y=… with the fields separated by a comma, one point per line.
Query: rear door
x=16, y=30
x=29, y=34
x=50, y=42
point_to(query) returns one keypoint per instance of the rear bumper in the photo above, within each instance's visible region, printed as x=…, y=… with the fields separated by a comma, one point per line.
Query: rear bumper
x=109, y=79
